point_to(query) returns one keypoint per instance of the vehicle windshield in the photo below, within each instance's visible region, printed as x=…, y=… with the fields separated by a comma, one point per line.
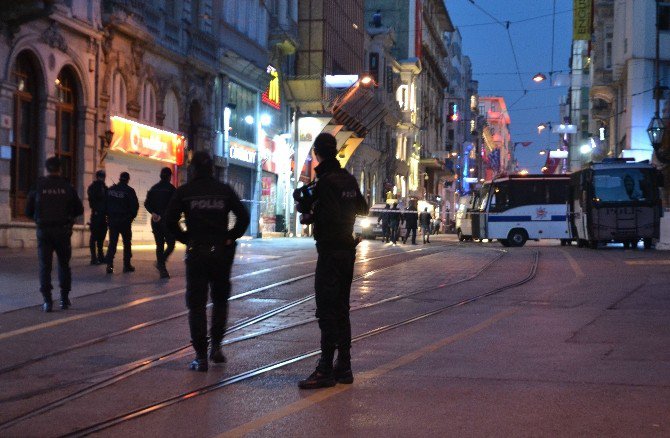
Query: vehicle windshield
x=482, y=198
x=624, y=185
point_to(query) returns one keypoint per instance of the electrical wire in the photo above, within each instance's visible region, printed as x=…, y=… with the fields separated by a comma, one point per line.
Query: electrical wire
x=514, y=21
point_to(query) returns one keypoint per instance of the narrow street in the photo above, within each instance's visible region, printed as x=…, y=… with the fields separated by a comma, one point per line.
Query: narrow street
x=452, y=339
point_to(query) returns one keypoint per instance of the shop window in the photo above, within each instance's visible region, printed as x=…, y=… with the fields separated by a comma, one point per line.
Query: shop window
x=242, y=102
x=117, y=95
x=23, y=172
x=148, y=112
x=66, y=123
x=664, y=17
x=171, y=110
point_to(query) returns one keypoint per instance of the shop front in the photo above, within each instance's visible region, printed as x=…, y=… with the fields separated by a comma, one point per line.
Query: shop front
x=242, y=171
x=142, y=151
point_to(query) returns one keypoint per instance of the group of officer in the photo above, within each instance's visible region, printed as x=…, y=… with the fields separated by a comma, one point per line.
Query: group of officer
x=206, y=204
x=392, y=218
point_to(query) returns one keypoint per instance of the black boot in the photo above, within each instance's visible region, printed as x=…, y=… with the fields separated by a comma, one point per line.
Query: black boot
x=48, y=306
x=215, y=354
x=128, y=268
x=110, y=269
x=342, y=372
x=199, y=363
x=322, y=377
x=101, y=258
x=94, y=261
x=65, y=302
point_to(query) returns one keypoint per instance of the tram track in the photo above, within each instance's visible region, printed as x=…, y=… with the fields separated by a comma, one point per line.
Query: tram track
x=137, y=366
x=206, y=389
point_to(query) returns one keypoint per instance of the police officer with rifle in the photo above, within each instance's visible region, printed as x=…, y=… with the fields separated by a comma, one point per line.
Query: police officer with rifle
x=206, y=203
x=54, y=205
x=332, y=204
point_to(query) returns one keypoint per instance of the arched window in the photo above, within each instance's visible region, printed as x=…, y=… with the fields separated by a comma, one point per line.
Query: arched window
x=26, y=76
x=148, y=113
x=117, y=96
x=171, y=111
x=66, y=123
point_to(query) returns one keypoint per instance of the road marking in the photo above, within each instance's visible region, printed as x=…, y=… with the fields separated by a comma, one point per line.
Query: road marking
x=322, y=395
x=574, y=265
x=647, y=262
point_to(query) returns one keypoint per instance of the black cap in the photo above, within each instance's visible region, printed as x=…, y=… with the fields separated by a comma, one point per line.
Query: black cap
x=124, y=177
x=325, y=145
x=52, y=164
x=100, y=174
x=202, y=164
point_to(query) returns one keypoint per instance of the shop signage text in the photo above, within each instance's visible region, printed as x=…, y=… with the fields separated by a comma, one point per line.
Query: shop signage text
x=135, y=138
x=271, y=95
x=242, y=153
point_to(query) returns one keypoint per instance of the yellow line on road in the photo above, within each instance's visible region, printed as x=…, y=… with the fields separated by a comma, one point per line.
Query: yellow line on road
x=325, y=394
x=54, y=323
x=647, y=262
x=574, y=265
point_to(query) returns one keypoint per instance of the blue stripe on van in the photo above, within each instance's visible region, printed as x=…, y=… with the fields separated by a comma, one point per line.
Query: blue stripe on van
x=509, y=218
x=559, y=218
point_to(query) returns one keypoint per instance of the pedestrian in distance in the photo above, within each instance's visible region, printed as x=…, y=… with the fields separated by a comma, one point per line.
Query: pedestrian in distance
x=425, y=219
x=156, y=202
x=394, y=223
x=121, y=208
x=97, y=199
x=337, y=201
x=411, y=217
x=386, y=228
x=54, y=205
x=210, y=251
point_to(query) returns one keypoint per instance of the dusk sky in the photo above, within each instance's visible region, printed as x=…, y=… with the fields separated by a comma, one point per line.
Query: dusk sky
x=487, y=44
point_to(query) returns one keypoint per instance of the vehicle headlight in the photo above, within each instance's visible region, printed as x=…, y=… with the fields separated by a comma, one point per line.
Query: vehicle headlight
x=365, y=223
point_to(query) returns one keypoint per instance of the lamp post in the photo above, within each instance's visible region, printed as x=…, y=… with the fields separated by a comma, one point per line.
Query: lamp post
x=656, y=127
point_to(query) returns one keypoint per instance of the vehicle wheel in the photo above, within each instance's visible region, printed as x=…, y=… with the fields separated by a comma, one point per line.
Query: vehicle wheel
x=564, y=242
x=461, y=237
x=647, y=242
x=626, y=244
x=593, y=244
x=517, y=237
x=504, y=242
x=581, y=243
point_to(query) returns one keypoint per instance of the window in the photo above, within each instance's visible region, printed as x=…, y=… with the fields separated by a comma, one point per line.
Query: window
x=242, y=102
x=24, y=147
x=117, y=95
x=500, y=197
x=171, y=111
x=148, y=111
x=664, y=16
x=66, y=124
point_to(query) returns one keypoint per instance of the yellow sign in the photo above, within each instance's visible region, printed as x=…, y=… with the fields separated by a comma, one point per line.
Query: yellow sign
x=582, y=20
x=271, y=95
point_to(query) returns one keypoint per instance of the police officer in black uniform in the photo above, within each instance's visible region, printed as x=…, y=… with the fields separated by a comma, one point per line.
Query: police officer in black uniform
x=158, y=198
x=338, y=201
x=210, y=251
x=121, y=208
x=411, y=219
x=54, y=205
x=97, y=198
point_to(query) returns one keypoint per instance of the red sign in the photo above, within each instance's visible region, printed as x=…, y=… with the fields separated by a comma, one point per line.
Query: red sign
x=146, y=141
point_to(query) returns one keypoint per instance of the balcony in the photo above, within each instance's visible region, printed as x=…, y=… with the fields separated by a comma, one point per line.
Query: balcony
x=204, y=46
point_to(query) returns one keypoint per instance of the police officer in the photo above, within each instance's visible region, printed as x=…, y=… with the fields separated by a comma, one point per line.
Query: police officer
x=384, y=219
x=210, y=251
x=54, y=205
x=394, y=223
x=338, y=201
x=156, y=202
x=411, y=218
x=97, y=198
x=121, y=208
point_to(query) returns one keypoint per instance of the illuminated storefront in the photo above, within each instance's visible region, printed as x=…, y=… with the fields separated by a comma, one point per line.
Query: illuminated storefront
x=142, y=151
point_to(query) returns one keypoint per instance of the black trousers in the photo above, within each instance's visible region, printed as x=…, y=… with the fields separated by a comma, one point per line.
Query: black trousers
x=395, y=231
x=413, y=231
x=164, y=242
x=125, y=230
x=332, y=284
x=208, y=270
x=49, y=240
x=98, y=233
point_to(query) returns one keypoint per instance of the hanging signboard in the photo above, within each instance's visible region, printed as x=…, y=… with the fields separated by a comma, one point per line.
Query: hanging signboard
x=581, y=20
x=135, y=138
x=271, y=95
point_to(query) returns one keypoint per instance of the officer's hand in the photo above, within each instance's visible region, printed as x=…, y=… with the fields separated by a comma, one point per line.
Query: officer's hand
x=229, y=242
x=155, y=217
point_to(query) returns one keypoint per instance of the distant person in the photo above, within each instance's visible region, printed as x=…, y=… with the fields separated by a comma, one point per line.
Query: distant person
x=54, y=205
x=425, y=219
x=210, y=251
x=631, y=191
x=411, y=218
x=97, y=199
x=394, y=223
x=386, y=228
x=122, y=206
x=158, y=198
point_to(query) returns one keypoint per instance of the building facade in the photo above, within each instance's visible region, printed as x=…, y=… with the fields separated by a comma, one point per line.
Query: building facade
x=496, y=156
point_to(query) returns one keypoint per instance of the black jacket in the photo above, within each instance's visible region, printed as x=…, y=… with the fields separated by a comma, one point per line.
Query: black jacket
x=122, y=204
x=338, y=201
x=206, y=204
x=97, y=197
x=411, y=218
x=158, y=197
x=394, y=217
x=53, y=202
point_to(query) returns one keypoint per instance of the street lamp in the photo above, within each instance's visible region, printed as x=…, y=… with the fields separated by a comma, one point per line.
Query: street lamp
x=656, y=130
x=539, y=78
x=656, y=126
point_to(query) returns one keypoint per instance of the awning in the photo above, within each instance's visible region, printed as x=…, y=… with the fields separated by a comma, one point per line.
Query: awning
x=305, y=93
x=431, y=163
x=359, y=109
